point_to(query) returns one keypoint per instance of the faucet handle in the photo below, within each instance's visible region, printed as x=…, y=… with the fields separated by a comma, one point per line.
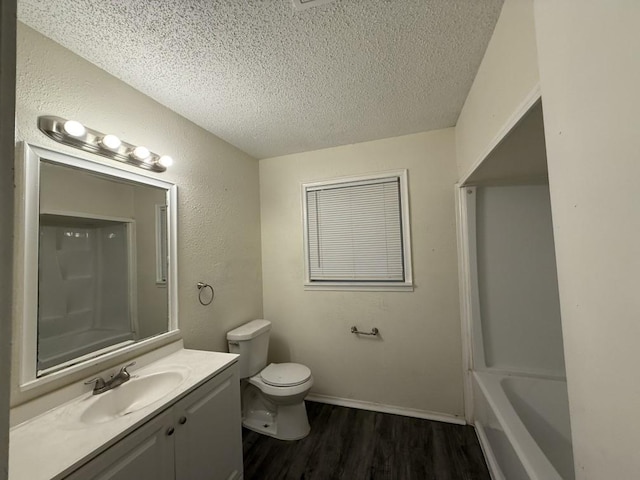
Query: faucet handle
x=123, y=370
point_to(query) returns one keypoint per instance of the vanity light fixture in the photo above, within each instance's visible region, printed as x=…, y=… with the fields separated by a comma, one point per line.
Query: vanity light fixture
x=75, y=129
x=165, y=161
x=141, y=153
x=72, y=132
x=111, y=142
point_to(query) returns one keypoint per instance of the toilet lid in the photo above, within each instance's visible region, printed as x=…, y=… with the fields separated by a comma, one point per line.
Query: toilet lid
x=285, y=374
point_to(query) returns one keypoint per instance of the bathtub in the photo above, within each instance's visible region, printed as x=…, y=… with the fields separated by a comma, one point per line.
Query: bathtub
x=55, y=351
x=523, y=426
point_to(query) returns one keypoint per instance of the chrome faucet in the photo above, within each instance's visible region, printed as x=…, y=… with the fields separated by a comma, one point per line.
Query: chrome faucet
x=116, y=380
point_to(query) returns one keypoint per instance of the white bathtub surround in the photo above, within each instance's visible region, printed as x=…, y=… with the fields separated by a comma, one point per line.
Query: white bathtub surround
x=516, y=396
x=517, y=280
x=76, y=271
x=505, y=87
x=519, y=394
x=523, y=426
x=57, y=441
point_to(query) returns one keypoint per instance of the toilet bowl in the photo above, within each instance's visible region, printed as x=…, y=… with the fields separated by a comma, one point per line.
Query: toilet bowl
x=276, y=407
x=284, y=383
x=272, y=395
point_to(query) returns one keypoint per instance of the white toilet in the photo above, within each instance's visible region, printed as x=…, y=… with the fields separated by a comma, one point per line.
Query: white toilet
x=273, y=395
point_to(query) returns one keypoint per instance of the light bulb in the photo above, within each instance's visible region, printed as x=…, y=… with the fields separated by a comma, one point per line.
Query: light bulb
x=141, y=153
x=75, y=129
x=165, y=161
x=111, y=142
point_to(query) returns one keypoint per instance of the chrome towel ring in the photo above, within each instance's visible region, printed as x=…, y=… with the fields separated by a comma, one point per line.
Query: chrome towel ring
x=202, y=287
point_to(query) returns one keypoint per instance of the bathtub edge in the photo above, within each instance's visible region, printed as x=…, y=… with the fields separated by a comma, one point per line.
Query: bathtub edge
x=487, y=451
x=536, y=464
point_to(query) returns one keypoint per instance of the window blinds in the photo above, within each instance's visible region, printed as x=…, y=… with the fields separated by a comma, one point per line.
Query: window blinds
x=355, y=231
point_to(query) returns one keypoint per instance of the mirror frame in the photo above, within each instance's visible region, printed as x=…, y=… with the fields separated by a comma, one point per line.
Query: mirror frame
x=28, y=298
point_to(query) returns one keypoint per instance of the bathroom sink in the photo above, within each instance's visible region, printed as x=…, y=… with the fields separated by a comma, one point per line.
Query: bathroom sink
x=133, y=395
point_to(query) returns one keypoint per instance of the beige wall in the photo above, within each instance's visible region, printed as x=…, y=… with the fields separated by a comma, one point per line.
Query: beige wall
x=520, y=158
x=506, y=78
x=68, y=190
x=417, y=362
x=590, y=72
x=218, y=187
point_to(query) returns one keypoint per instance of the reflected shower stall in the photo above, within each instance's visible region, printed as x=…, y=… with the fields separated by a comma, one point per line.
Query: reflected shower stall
x=84, y=305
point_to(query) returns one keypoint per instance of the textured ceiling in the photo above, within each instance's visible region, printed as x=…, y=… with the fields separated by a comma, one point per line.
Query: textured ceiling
x=272, y=80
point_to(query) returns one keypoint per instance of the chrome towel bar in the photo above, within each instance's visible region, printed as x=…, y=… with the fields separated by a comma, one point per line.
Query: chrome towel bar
x=374, y=331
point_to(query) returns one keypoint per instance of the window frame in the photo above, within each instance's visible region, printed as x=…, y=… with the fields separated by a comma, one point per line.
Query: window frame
x=391, y=286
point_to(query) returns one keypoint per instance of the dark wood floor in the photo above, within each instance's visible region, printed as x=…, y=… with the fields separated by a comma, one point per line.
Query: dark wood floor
x=351, y=444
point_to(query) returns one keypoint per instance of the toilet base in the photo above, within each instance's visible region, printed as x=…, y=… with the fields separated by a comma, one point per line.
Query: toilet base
x=284, y=422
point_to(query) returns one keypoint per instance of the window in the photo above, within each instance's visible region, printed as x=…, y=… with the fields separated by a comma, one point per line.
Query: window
x=357, y=233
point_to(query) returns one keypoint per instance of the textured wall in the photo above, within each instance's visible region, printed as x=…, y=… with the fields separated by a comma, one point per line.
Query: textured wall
x=417, y=363
x=218, y=198
x=7, y=102
x=591, y=99
x=507, y=74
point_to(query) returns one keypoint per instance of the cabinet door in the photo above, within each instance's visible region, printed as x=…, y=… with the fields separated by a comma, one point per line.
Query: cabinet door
x=209, y=430
x=146, y=454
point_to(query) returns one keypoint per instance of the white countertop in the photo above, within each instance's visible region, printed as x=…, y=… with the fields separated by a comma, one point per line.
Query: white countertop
x=55, y=443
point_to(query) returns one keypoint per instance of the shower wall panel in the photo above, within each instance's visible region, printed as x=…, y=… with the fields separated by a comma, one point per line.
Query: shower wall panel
x=113, y=292
x=517, y=280
x=83, y=303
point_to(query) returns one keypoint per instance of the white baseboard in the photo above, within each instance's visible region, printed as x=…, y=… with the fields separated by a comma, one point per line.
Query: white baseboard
x=492, y=463
x=378, y=407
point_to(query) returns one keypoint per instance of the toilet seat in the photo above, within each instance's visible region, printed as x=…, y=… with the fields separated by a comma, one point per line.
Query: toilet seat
x=285, y=374
x=280, y=392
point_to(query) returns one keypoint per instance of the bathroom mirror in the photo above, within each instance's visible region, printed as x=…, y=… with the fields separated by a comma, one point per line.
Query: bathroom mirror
x=99, y=261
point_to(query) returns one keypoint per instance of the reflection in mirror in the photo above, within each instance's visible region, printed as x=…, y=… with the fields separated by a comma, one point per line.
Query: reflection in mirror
x=102, y=264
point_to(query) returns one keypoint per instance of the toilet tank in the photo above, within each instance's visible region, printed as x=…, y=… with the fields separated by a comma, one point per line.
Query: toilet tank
x=251, y=341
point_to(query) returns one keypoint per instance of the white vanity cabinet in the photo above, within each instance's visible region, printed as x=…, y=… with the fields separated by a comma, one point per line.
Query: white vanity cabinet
x=198, y=437
x=208, y=435
x=147, y=453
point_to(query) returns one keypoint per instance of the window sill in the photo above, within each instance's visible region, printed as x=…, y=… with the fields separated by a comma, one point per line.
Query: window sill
x=359, y=287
